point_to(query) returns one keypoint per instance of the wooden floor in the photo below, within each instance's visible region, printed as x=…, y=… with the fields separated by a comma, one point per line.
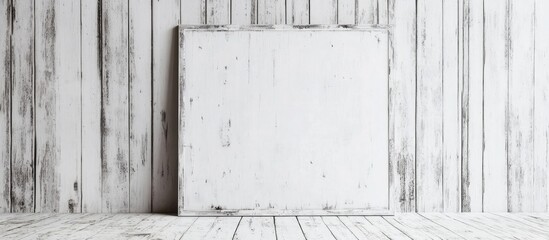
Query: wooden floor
x=157, y=226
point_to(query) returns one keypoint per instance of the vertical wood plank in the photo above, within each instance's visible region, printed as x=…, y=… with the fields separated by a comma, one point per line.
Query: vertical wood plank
x=451, y=132
x=243, y=12
x=521, y=106
x=495, y=105
x=166, y=15
x=194, y=11
x=58, y=107
x=382, y=11
x=541, y=111
x=140, y=80
x=91, y=106
x=366, y=11
x=323, y=12
x=115, y=110
x=472, y=112
x=5, y=104
x=218, y=12
x=297, y=12
x=402, y=100
x=429, y=106
x=22, y=64
x=271, y=12
x=346, y=11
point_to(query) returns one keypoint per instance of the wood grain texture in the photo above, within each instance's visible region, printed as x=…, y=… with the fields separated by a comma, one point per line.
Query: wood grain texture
x=140, y=98
x=166, y=16
x=255, y=228
x=383, y=11
x=521, y=107
x=541, y=112
x=451, y=109
x=5, y=106
x=314, y=228
x=496, y=70
x=243, y=12
x=323, y=12
x=288, y=228
x=366, y=12
x=429, y=107
x=218, y=12
x=271, y=12
x=115, y=107
x=91, y=105
x=22, y=107
x=297, y=12
x=402, y=101
x=58, y=107
x=472, y=108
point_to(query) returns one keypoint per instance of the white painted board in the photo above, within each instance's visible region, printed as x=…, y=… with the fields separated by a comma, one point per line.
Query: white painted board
x=283, y=119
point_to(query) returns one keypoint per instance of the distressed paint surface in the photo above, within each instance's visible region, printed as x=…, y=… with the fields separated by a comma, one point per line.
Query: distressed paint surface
x=366, y=12
x=402, y=101
x=58, y=107
x=271, y=12
x=115, y=142
x=243, y=12
x=323, y=12
x=140, y=79
x=238, y=128
x=22, y=107
x=218, y=12
x=297, y=12
x=5, y=105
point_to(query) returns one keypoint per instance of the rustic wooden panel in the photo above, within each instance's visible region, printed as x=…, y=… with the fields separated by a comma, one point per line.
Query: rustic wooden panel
x=140, y=80
x=271, y=12
x=521, y=106
x=472, y=108
x=429, y=106
x=541, y=111
x=243, y=12
x=496, y=69
x=346, y=11
x=58, y=106
x=22, y=105
x=383, y=12
x=238, y=129
x=451, y=111
x=115, y=107
x=366, y=11
x=194, y=11
x=297, y=12
x=402, y=100
x=218, y=12
x=166, y=15
x=323, y=12
x=91, y=106
x=5, y=105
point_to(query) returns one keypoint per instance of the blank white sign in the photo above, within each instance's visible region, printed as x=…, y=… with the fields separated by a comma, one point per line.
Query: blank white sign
x=283, y=120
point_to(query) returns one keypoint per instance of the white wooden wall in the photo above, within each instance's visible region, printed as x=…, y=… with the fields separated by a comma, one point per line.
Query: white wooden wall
x=88, y=99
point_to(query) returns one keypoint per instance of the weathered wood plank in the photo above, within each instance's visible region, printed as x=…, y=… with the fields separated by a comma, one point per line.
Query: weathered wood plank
x=526, y=222
x=297, y=12
x=338, y=228
x=255, y=228
x=417, y=227
x=521, y=107
x=323, y=12
x=91, y=106
x=5, y=105
x=21, y=221
x=519, y=227
x=460, y=228
x=346, y=11
x=116, y=227
x=541, y=111
x=495, y=105
x=37, y=228
x=58, y=107
x=451, y=111
x=140, y=109
x=166, y=15
x=314, y=228
x=212, y=228
x=362, y=228
x=271, y=12
x=243, y=12
x=69, y=228
x=149, y=226
x=383, y=11
x=387, y=228
x=98, y=227
x=402, y=100
x=288, y=228
x=476, y=220
x=366, y=12
x=175, y=229
x=218, y=12
x=429, y=107
x=194, y=11
x=22, y=107
x=472, y=108
x=115, y=107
